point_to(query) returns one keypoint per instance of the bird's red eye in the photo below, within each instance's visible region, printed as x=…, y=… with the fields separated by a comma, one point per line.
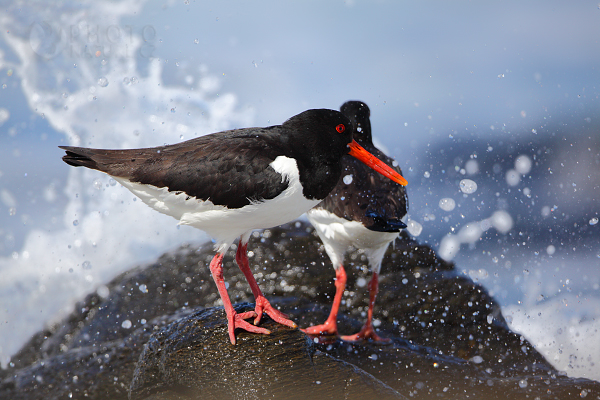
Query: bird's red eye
x=340, y=128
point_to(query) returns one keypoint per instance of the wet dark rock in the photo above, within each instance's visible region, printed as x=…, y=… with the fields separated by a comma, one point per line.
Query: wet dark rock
x=158, y=335
x=181, y=361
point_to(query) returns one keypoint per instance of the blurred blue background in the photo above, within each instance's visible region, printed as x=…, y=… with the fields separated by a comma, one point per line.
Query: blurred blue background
x=457, y=90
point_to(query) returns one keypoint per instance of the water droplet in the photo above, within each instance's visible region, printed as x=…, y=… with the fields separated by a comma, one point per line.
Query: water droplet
x=348, y=179
x=103, y=82
x=502, y=221
x=103, y=291
x=468, y=186
x=86, y=265
x=470, y=233
x=449, y=247
x=550, y=250
x=126, y=324
x=426, y=174
x=4, y=115
x=472, y=167
x=447, y=204
x=477, y=359
x=513, y=177
x=414, y=228
x=76, y=222
x=594, y=221
x=143, y=288
x=196, y=41
x=523, y=383
x=523, y=164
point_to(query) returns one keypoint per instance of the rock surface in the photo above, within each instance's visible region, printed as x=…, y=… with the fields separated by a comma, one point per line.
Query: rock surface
x=157, y=332
x=282, y=365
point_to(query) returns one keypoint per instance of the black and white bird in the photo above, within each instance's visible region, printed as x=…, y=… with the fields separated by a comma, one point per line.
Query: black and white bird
x=364, y=211
x=230, y=183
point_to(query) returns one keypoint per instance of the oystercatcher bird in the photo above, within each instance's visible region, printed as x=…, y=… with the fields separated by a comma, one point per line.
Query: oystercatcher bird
x=363, y=211
x=229, y=183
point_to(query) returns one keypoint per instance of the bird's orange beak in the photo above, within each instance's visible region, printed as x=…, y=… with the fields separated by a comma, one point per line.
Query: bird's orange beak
x=375, y=163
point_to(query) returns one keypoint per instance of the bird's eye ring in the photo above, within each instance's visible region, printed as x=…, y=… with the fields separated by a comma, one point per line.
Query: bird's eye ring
x=340, y=128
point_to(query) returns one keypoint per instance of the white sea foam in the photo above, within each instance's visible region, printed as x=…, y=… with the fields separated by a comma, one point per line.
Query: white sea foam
x=564, y=330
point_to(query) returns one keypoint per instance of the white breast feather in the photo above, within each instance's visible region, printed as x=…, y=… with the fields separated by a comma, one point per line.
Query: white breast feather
x=338, y=234
x=225, y=224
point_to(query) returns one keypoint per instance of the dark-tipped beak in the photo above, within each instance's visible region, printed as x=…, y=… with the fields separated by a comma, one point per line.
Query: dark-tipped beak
x=375, y=163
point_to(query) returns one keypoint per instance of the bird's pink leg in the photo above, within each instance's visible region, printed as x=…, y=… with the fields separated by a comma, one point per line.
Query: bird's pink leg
x=367, y=331
x=330, y=325
x=234, y=320
x=262, y=304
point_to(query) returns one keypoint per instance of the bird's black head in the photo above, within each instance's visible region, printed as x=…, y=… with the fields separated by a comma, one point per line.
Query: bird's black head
x=358, y=113
x=317, y=140
x=322, y=133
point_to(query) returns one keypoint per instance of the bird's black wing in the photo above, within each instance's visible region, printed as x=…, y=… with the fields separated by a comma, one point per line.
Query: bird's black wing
x=229, y=168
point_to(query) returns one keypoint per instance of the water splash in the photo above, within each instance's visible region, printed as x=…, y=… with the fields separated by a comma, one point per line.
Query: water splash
x=101, y=224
